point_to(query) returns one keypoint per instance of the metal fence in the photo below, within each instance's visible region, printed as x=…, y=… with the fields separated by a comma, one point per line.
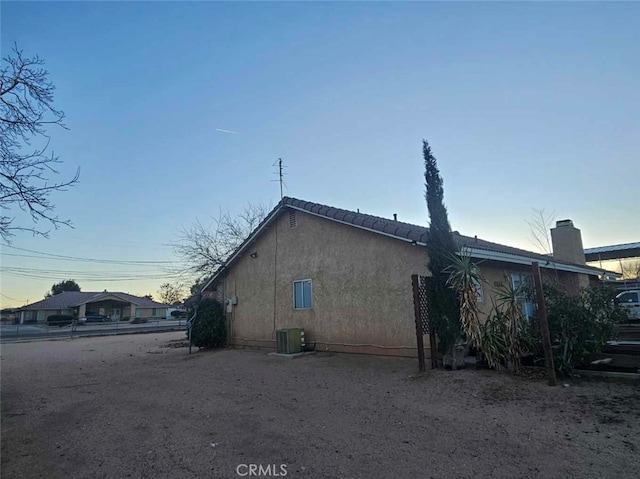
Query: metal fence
x=44, y=330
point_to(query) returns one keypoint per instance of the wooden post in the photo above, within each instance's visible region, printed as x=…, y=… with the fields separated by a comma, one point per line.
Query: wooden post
x=416, y=313
x=544, y=325
x=433, y=345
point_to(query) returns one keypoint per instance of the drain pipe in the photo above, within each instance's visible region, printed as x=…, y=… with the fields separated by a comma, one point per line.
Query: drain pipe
x=191, y=321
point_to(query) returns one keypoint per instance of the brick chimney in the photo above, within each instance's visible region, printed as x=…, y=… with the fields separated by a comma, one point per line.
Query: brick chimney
x=567, y=242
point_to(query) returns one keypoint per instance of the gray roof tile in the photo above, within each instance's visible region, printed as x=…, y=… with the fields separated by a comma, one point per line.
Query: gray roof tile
x=398, y=229
x=412, y=232
x=71, y=299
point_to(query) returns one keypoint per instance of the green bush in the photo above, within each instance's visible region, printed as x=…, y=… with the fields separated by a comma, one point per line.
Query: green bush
x=59, y=320
x=580, y=325
x=209, y=329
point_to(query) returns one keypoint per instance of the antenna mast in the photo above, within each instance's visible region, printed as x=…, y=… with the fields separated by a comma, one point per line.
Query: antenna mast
x=281, y=175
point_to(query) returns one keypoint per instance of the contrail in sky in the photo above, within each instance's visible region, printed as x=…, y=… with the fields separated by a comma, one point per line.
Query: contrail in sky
x=227, y=131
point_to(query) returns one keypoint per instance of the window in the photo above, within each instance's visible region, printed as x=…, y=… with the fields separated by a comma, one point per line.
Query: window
x=292, y=219
x=138, y=312
x=154, y=312
x=629, y=297
x=524, y=283
x=302, y=297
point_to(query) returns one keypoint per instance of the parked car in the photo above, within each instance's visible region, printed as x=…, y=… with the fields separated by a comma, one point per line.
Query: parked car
x=630, y=300
x=94, y=318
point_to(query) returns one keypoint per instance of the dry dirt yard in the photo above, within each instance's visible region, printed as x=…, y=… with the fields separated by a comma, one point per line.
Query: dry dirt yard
x=137, y=406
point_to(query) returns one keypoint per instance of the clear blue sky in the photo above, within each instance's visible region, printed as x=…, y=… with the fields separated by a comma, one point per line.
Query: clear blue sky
x=526, y=105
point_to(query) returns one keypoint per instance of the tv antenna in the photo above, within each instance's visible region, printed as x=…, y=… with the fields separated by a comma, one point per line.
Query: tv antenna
x=280, y=174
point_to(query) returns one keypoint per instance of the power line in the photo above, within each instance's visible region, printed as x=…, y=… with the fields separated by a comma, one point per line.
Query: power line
x=68, y=272
x=13, y=299
x=114, y=263
x=90, y=279
x=91, y=260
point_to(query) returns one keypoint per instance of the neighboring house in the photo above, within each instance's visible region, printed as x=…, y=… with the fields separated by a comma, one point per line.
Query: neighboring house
x=345, y=277
x=118, y=306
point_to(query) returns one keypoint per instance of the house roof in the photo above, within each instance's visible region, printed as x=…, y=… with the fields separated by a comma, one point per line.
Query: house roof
x=71, y=299
x=414, y=234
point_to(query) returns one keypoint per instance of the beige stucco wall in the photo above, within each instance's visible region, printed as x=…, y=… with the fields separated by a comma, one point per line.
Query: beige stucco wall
x=362, y=297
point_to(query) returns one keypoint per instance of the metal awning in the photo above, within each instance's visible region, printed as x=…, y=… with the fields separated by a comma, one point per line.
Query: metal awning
x=618, y=251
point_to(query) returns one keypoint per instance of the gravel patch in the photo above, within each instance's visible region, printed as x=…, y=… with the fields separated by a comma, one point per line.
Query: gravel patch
x=139, y=406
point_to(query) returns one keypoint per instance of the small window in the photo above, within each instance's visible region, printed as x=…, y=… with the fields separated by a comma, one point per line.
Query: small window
x=302, y=296
x=292, y=219
x=138, y=312
x=523, y=283
x=155, y=312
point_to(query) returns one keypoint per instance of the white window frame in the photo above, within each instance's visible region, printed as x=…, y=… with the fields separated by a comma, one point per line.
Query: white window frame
x=303, y=301
x=528, y=307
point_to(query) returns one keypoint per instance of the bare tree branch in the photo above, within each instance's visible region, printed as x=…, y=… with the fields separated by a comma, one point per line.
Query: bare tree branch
x=203, y=249
x=26, y=107
x=540, y=225
x=171, y=293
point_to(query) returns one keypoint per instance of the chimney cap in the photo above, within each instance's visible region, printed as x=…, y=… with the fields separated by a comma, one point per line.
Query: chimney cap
x=560, y=223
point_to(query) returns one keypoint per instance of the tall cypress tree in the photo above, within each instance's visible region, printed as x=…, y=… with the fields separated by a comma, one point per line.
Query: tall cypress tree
x=444, y=310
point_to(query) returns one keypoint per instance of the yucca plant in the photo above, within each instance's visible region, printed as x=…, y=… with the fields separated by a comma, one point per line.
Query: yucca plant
x=495, y=339
x=506, y=320
x=464, y=278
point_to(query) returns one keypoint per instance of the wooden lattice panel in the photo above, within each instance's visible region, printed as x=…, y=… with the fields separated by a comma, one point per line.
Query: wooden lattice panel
x=424, y=309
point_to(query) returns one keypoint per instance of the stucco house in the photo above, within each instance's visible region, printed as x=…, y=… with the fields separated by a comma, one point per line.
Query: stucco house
x=118, y=306
x=345, y=277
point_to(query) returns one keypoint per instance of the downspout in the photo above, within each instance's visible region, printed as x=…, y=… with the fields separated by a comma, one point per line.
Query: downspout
x=275, y=280
x=192, y=320
x=224, y=305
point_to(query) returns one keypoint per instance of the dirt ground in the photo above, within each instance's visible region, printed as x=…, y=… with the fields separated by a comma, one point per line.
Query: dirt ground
x=138, y=406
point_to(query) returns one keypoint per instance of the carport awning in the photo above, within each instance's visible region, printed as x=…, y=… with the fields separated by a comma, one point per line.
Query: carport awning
x=618, y=251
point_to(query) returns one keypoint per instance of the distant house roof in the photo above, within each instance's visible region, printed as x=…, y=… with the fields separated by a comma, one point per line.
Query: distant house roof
x=616, y=251
x=72, y=299
x=414, y=234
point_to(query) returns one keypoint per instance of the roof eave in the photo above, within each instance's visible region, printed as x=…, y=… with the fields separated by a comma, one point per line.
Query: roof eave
x=549, y=264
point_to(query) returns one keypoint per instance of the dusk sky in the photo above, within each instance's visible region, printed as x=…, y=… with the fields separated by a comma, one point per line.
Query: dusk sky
x=525, y=105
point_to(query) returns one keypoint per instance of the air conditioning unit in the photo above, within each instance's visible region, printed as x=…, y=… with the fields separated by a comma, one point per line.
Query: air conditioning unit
x=290, y=341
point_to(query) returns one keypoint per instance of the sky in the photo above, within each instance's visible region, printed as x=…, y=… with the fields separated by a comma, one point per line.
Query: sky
x=525, y=105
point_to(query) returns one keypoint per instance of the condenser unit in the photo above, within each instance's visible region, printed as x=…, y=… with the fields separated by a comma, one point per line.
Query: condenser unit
x=290, y=341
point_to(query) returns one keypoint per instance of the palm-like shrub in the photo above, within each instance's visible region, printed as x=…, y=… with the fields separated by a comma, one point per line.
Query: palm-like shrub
x=506, y=335
x=464, y=278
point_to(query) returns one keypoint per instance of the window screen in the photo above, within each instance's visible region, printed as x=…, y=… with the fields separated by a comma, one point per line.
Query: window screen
x=302, y=296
